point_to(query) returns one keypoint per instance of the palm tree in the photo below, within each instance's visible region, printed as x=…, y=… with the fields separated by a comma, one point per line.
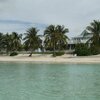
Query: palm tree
x=55, y=36
x=94, y=29
x=7, y=43
x=50, y=37
x=12, y=42
x=1, y=41
x=62, y=38
x=16, y=41
x=32, y=40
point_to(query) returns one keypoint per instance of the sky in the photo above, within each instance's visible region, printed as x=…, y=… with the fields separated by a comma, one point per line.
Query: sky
x=76, y=15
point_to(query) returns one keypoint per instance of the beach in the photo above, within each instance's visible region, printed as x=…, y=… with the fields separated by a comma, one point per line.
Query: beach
x=47, y=58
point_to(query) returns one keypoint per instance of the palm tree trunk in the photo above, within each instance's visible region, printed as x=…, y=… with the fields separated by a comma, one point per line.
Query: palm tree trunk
x=30, y=55
x=54, y=53
x=7, y=51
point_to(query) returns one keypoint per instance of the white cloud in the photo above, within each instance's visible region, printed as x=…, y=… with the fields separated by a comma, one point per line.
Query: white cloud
x=74, y=14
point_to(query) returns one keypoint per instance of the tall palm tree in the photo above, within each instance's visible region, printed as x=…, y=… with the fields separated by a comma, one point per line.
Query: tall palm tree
x=94, y=29
x=55, y=36
x=32, y=40
x=49, y=34
x=62, y=37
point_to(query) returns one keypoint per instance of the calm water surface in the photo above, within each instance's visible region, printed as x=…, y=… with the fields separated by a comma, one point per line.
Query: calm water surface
x=23, y=81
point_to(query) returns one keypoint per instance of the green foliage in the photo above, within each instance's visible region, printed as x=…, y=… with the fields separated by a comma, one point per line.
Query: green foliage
x=82, y=50
x=15, y=41
x=95, y=50
x=55, y=38
x=11, y=42
x=32, y=40
x=13, y=54
x=94, y=30
x=1, y=40
x=60, y=53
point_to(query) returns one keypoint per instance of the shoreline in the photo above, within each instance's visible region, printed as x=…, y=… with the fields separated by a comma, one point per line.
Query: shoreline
x=48, y=59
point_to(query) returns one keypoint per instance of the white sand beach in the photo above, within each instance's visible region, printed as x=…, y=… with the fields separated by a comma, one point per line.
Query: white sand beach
x=46, y=58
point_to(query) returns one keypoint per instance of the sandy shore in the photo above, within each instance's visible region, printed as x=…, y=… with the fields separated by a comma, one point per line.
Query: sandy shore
x=44, y=58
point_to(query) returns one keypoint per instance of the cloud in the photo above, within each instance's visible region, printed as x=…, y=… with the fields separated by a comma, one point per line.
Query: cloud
x=19, y=26
x=74, y=14
x=14, y=22
x=4, y=0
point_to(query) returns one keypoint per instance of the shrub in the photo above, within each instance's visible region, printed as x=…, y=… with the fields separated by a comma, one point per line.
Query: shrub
x=82, y=50
x=58, y=54
x=95, y=50
x=13, y=54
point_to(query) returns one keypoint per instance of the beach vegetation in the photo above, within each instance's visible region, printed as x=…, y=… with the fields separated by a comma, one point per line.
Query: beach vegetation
x=82, y=50
x=54, y=42
x=55, y=38
x=11, y=42
x=32, y=40
x=59, y=53
x=94, y=29
x=13, y=54
x=1, y=42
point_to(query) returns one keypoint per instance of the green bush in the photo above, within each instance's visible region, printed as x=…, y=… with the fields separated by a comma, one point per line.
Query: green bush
x=13, y=54
x=82, y=50
x=58, y=54
x=95, y=50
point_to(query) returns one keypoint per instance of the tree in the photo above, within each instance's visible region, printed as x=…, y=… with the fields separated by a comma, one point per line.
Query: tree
x=16, y=41
x=1, y=41
x=94, y=29
x=32, y=40
x=12, y=42
x=82, y=50
x=55, y=36
x=7, y=43
x=62, y=38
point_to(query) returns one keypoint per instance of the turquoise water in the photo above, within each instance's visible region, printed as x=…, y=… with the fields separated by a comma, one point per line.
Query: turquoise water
x=23, y=81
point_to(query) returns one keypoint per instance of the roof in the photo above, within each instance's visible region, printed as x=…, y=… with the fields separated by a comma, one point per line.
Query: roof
x=84, y=34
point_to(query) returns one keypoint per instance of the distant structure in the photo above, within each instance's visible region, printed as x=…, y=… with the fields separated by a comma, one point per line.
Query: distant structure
x=82, y=38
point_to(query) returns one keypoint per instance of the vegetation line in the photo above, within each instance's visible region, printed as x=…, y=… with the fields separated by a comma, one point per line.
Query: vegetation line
x=53, y=39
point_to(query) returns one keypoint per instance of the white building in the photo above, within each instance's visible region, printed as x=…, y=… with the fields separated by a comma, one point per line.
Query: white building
x=82, y=38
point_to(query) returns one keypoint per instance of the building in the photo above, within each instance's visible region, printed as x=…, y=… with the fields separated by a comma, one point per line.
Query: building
x=82, y=38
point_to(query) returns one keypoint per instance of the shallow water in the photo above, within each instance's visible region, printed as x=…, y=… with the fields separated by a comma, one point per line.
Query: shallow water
x=24, y=81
